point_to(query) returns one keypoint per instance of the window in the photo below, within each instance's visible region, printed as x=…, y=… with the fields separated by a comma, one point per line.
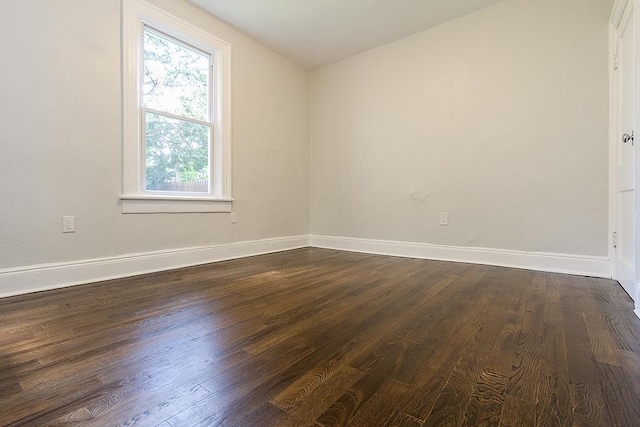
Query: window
x=176, y=118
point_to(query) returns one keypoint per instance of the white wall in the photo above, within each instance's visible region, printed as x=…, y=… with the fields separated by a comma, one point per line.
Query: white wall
x=60, y=136
x=499, y=118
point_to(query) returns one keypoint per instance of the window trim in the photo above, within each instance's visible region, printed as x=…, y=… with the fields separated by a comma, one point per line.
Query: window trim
x=136, y=14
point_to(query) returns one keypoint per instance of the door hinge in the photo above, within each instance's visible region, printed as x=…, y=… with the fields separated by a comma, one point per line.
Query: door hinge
x=615, y=239
x=615, y=62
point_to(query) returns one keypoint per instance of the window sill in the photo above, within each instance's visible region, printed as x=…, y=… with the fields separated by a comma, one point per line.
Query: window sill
x=141, y=204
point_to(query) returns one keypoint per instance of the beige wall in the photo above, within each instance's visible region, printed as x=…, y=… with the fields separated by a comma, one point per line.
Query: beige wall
x=499, y=118
x=61, y=143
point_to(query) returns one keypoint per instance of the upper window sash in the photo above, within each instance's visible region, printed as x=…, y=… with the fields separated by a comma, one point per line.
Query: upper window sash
x=207, y=117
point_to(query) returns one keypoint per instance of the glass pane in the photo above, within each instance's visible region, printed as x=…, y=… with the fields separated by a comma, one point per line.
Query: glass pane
x=176, y=78
x=177, y=155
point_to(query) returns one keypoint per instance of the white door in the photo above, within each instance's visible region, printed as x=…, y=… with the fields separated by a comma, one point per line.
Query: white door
x=625, y=259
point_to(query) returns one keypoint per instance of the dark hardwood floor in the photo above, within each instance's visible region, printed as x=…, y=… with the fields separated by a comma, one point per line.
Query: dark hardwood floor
x=317, y=337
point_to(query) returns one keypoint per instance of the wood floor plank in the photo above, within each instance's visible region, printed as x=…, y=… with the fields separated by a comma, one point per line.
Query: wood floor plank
x=603, y=344
x=622, y=401
x=419, y=402
x=632, y=366
x=231, y=386
x=554, y=405
x=588, y=406
x=307, y=384
x=341, y=412
x=399, y=419
x=517, y=413
x=455, y=397
x=304, y=406
x=581, y=360
x=161, y=403
x=78, y=418
x=487, y=401
x=554, y=350
x=36, y=409
x=382, y=405
x=527, y=367
x=266, y=415
x=322, y=337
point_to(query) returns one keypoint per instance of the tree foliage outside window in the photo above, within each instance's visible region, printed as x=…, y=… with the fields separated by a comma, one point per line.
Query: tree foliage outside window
x=176, y=100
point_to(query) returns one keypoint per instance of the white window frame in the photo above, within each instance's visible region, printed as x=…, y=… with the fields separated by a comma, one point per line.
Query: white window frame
x=136, y=14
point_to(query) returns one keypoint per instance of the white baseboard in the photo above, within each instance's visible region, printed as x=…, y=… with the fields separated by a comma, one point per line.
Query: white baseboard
x=637, y=312
x=17, y=281
x=44, y=277
x=541, y=261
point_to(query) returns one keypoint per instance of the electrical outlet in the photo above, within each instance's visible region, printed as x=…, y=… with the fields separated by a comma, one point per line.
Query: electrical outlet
x=68, y=224
x=234, y=217
x=444, y=218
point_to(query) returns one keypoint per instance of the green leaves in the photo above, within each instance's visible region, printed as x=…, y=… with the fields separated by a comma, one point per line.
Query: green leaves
x=176, y=151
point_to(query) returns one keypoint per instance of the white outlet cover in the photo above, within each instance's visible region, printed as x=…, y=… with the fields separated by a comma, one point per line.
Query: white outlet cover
x=68, y=224
x=444, y=218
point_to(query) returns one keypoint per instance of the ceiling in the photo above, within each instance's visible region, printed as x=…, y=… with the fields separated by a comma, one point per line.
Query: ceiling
x=316, y=33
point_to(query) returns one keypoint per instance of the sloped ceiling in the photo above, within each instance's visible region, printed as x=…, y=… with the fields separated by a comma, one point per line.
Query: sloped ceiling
x=316, y=33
